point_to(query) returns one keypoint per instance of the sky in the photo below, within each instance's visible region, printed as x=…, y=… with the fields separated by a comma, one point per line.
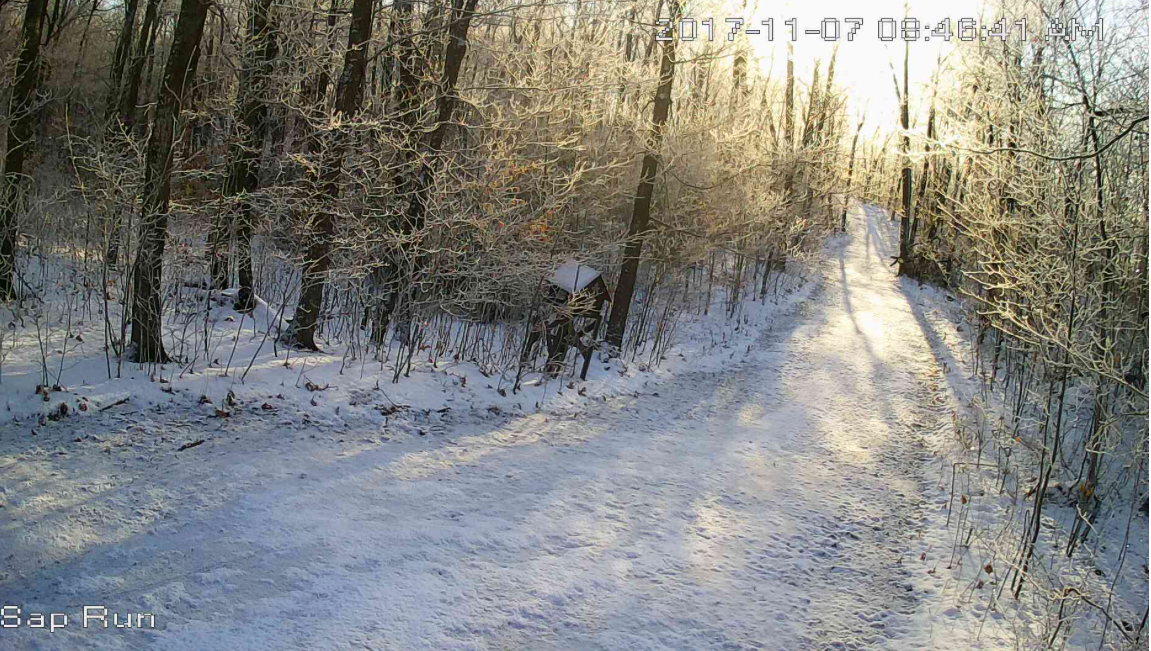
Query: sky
x=862, y=66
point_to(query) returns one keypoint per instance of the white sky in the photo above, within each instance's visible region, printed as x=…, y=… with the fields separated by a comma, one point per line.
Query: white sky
x=862, y=66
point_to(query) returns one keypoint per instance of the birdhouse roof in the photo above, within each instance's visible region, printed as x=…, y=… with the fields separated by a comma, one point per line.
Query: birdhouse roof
x=573, y=277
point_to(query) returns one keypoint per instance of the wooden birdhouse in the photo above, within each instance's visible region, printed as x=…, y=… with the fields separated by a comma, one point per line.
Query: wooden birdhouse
x=579, y=293
x=579, y=287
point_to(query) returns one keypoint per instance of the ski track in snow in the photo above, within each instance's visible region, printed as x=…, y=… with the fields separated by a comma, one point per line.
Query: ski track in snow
x=763, y=507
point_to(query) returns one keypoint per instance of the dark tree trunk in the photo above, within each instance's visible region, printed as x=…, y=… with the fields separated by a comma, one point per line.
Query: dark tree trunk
x=20, y=126
x=924, y=211
x=149, y=76
x=457, y=49
x=825, y=100
x=83, y=43
x=52, y=22
x=349, y=97
x=641, y=209
x=789, y=124
x=244, y=158
x=124, y=61
x=789, y=103
x=123, y=45
x=813, y=103
x=148, y=269
x=905, y=234
x=407, y=107
x=850, y=170
x=136, y=62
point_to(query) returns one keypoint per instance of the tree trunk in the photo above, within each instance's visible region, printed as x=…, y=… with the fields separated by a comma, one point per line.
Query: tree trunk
x=407, y=89
x=349, y=97
x=118, y=98
x=922, y=211
x=51, y=22
x=244, y=158
x=406, y=116
x=136, y=61
x=789, y=103
x=83, y=43
x=641, y=209
x=825, y=103
x=148, y=269
x=123, y=45
x=850, y=170
x=905, y=235
x=419, y=189
x=315, y=87
x=789, y=124
x=21, y=119
x=813, y=104
x=149, y=76
x=446, y=102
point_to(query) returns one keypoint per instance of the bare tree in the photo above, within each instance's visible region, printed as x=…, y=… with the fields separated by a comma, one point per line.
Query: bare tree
x=147, y=270
x=906, y=243
x=137, y=58
x=641, y=209
x=120, y=57
x=20, y=127
x=244, y=157
x=349, y=97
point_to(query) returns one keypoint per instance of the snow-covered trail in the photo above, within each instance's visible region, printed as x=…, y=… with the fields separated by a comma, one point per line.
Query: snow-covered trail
x=764, y=507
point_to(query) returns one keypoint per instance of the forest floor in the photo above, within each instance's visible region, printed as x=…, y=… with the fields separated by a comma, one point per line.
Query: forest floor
x=789, y=499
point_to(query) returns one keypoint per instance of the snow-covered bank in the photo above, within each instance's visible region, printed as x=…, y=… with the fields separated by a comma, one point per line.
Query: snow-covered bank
x=55, y=366
x=979, y=509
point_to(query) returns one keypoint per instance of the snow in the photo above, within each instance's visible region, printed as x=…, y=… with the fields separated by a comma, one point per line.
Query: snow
x=969, y=600
x=572, y=277
x=247, y=369
x=775, y=487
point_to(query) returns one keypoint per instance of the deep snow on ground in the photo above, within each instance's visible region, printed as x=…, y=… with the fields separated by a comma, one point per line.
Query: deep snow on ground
x=782, y=498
